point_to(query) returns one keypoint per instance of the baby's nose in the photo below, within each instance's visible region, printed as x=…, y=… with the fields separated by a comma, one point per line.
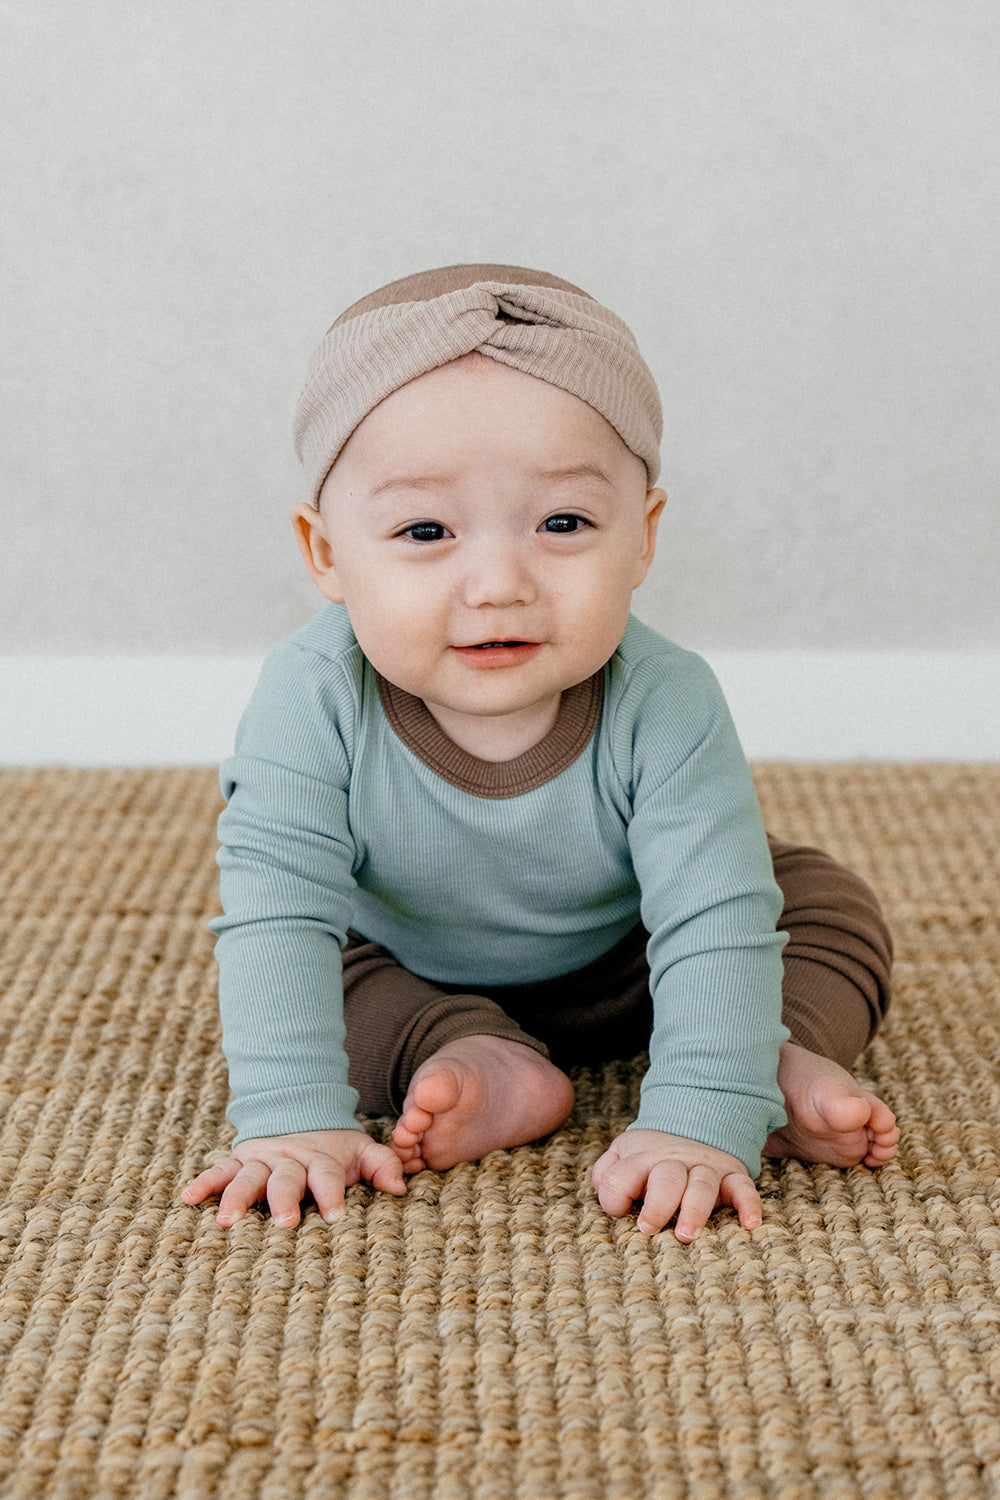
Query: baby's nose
x=498, y=576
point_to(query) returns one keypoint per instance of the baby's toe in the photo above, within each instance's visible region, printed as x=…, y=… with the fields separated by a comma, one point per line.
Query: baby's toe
x=435, y=1089
x=844, y=1113
x=413, y=1122
x=882, y=1148
x=881, y=1121
x=404, y=1144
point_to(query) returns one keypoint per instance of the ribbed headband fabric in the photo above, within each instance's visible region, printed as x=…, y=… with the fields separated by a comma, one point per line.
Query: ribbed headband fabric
x=530, y=320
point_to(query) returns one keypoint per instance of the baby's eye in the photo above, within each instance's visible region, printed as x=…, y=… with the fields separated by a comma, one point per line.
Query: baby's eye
x=426, y=531
x=563, y=523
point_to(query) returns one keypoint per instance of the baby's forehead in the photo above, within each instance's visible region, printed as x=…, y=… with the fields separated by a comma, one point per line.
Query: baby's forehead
x=476, y=422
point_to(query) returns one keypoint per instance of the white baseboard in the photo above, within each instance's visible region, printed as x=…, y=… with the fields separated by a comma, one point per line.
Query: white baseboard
x=122, y=710
x=864, y=705
x=794, y=705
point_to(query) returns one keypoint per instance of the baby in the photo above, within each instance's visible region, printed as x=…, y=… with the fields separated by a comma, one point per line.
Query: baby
x=483, y=825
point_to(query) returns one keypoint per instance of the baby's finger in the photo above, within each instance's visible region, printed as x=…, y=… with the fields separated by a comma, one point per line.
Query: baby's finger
x=326, y=1182
x=700, y=1197
x=664, y=1191
x=618, y=1182
x=248, y=1186
x=285, y=1188
x=385, y=1171
x=214, y=1179
x=739, y=1191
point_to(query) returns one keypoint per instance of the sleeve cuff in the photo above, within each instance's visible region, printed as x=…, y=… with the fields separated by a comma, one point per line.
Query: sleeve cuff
x=736, y=1123
x=293, y=1110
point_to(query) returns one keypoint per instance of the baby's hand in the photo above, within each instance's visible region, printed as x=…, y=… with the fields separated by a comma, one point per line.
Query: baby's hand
x=281, y=1167
x=673, y=1175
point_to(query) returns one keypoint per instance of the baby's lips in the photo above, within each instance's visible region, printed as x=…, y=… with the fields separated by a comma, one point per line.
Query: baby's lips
x=507, y=641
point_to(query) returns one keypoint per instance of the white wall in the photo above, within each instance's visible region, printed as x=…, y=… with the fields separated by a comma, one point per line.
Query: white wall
x=792, y=203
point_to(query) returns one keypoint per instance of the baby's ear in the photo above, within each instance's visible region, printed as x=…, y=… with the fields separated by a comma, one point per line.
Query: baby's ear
x=655, y=501
x=314, y=544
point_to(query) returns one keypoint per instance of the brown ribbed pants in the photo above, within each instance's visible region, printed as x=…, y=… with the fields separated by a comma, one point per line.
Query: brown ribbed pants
x=835, y=991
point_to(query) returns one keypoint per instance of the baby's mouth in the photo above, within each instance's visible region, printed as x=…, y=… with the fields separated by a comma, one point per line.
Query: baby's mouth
x=497, y=652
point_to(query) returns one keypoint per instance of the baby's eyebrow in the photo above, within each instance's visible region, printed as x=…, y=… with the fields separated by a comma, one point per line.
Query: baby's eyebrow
x=559, y=474
x=576, y=471
x=409, y=482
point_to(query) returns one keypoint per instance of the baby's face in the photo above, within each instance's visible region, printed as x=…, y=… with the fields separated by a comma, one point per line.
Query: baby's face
x=477, y=572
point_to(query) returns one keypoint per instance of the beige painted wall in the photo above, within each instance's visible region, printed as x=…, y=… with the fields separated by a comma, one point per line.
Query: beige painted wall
x=794, y=204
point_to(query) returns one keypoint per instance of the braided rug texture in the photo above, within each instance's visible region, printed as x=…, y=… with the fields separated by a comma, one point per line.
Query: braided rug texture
x=492, y=1336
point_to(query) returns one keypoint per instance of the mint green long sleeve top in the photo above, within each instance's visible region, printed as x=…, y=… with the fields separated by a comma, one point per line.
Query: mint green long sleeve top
x=332, y=821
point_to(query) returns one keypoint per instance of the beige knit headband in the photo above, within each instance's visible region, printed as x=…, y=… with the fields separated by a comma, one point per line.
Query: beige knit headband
x=561, y=336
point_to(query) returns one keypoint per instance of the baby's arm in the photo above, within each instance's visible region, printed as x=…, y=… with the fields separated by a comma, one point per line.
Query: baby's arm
x=710, y=904
x=286, y=883
x=281, y=1168
x=673, y=1175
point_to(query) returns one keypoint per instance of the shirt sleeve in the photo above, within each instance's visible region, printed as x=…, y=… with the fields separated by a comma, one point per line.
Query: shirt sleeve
x=710, y=904
x=286, y=861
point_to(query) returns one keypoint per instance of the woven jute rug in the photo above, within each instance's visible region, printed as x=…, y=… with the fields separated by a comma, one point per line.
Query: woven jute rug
x=493, y=1335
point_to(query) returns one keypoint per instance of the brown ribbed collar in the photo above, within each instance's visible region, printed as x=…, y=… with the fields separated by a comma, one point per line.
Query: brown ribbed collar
x=413, y=723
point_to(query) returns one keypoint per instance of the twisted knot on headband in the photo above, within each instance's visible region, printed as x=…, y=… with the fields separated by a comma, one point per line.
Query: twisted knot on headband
x=563, y=337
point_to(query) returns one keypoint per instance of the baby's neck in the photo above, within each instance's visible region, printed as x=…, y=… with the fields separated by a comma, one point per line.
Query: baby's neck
x=498, y=737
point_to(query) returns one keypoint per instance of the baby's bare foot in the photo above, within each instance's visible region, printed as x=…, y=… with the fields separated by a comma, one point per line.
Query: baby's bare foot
x=830, y=1117
x=478, y=1094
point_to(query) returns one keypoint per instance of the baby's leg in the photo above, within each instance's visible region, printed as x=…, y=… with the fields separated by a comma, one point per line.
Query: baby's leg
x=835, y=993
x=463, y=1076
